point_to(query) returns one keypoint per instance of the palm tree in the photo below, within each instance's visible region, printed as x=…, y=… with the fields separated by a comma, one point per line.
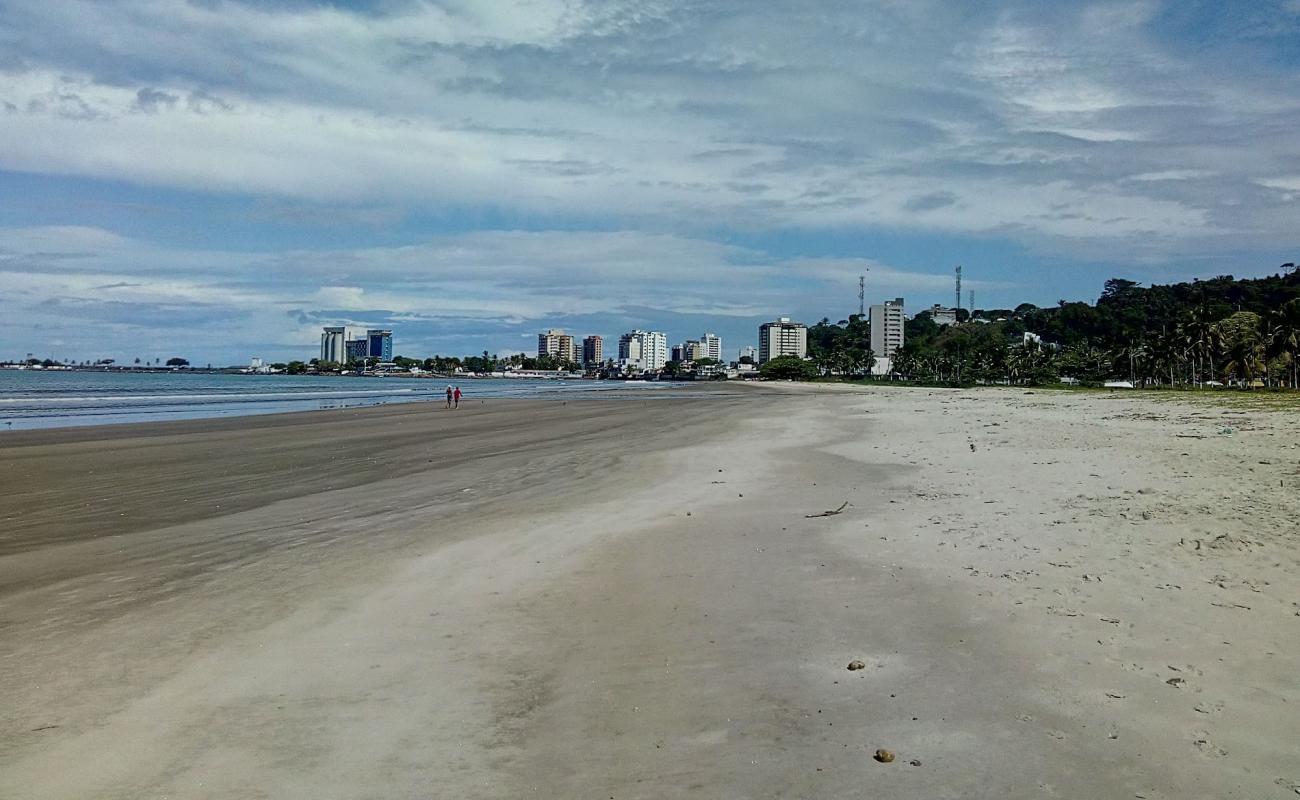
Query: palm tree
x=1245, y=360
x=1134, y=355
x=1199, y=335
x=1282, y=336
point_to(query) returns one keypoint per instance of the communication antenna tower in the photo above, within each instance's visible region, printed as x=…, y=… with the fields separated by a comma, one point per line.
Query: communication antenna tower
x=971, y=307
x=862, y=295
x=958, y=308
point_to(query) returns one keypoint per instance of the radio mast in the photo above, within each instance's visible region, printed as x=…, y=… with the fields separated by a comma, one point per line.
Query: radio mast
x=862, y=295
x=958, y=306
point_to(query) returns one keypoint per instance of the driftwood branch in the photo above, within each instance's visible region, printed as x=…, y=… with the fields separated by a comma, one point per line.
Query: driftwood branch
x=839, y=510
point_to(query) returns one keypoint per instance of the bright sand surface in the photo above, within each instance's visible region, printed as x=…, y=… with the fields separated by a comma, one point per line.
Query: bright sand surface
x=1072, y=595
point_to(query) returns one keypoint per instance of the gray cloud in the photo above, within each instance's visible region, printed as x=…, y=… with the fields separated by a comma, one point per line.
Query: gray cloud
x=930, y=202
x=150, y=101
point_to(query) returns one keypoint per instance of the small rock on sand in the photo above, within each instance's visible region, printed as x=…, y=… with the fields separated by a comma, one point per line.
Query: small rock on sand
x=856, y=664
x=884, y=756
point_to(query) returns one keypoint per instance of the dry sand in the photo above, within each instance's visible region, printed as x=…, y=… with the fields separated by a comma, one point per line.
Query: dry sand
x=1053, y=595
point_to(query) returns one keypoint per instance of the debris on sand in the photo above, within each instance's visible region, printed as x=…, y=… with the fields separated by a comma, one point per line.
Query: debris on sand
x=884, y=756
x=856, y=664
x=839, y=510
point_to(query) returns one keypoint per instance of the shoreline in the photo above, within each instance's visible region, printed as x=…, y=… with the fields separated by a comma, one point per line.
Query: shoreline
x=38, y=407
x=639, y=599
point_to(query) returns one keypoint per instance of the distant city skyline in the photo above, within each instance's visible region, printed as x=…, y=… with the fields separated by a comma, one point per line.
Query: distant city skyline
x=221, y=180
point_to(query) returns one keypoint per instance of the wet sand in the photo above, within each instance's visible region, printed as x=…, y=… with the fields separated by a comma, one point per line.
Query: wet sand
x=1054, y=595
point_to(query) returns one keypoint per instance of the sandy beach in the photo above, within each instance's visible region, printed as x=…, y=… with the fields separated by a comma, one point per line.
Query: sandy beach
x=1052, y=594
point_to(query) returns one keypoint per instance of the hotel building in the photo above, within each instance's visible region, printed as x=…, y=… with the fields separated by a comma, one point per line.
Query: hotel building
x=357, y=349
x=887, y=328
x=782, y=338
x=556, y=344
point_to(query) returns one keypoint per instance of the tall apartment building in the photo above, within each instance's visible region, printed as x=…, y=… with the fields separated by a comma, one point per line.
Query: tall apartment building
x=712, y=346
x=692, y=350
x=593, y=350
x=751, y=351
x=380, y=344
x=333, y=345
x=887, y=327
x=643, y=351
x=557, y=344
x=782, y=338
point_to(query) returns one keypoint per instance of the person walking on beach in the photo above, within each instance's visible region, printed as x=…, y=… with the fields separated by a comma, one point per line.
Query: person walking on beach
x=457, y=396
x=449, y=395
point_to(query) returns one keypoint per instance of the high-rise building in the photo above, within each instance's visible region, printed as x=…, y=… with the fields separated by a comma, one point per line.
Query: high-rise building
x=556, y=344
x=333, y=345
x=678, y=353
x=712, y=346
x=692, y=350
x=782, y=338
x=593, y=350
x=751, y=351
x=643, y=351
x=381, y=344
x=887, y=328
x=357, y=349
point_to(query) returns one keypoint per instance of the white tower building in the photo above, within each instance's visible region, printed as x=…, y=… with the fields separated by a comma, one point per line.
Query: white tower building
x=712, y=346
x=643, y=351
x=333, y=345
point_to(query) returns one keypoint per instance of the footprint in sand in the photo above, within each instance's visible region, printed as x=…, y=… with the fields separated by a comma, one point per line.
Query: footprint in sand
x=1209, y=708
x=1202, y=741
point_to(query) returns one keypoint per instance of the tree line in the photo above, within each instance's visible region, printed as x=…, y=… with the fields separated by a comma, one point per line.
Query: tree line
x=1243, y=332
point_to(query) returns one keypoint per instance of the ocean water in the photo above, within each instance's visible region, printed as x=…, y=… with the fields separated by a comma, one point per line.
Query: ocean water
x=42, y=399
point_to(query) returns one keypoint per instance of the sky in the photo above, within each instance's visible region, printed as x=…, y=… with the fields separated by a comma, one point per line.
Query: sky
x=218, y=180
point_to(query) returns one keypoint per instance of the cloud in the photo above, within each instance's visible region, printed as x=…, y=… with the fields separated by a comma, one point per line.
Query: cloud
x=1173, y=175
x=653, y=114
x=1288, y=183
